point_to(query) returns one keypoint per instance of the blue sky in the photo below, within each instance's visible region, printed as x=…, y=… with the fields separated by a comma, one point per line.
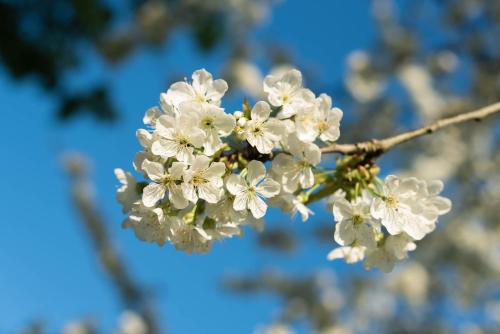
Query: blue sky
x=47, y=268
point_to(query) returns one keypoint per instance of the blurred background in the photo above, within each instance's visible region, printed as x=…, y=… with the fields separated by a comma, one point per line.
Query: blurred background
x=76, y=77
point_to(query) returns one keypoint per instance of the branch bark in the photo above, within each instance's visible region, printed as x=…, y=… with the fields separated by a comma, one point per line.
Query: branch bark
x=376, y=147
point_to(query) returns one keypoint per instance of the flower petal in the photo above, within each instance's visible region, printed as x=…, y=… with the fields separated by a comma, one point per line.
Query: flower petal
x=256, y=172
x=152, y=193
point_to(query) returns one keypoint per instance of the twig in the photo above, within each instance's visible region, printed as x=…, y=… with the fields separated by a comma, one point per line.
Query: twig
x=376, y=147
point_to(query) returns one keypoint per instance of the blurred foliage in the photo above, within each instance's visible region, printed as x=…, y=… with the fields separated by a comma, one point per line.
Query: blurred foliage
x=48, y=39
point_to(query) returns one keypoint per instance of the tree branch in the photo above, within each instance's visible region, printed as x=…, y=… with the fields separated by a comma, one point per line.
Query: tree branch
x=376, y=147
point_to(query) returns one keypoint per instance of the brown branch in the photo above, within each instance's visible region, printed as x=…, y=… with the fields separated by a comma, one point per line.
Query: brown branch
x=376, y=147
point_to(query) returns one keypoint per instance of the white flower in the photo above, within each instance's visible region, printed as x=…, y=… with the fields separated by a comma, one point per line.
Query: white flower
x=349, y=254
x=307, y=121
x=260, y=131
x=203, y=180
x=394, y=248
x=127, y=194
x=202, y=90
x=190, y=237
x=398, y=208
x=297, y=170
x=219, y=230
x=223, y=211
x=291, y=204
x=163, y=181
x=178, y=136
x=328, y=124
x=249, y=190
x=354, y=222
x=149, y=225
x=215, y=122
x=432, y=205
x=318, y=119
x=286, y=91
x=145, y=138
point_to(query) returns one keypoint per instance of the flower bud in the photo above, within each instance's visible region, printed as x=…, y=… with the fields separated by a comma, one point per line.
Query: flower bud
x=242, y=121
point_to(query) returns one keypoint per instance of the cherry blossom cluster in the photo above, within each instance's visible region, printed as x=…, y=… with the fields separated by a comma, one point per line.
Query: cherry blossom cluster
x=407, y=208
x=208, y=172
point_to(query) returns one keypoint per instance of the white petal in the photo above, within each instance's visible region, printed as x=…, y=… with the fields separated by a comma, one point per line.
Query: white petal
x=196, y=137
x=344, y=233
x=261, y=111
x=212, y=142
x=200, y=163
x=201, y=80
x=225, y=123
x=307, y=178
x=154, y=170
x=208, y=192
x=217, y=90
x=268, y=188
x=257, y=206
x=292, y=78
x=164, y=148
x=176, y=196
x=189, y=192
x=240, y=201
x=177, y=170
x=215, y=171
x=256, y=172
x=178, y=93
x=152, y=193
x=120, y=175
x=235, y=184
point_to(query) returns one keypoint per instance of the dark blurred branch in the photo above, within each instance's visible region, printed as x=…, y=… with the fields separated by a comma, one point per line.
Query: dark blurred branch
x=376, y=147
x=132, y=294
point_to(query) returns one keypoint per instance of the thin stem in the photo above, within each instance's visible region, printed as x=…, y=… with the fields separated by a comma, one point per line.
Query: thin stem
x=376, y=147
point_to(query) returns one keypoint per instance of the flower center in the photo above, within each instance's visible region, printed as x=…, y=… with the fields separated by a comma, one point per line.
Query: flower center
x=391, y=201
x=182, y=140
x=201, y=97
x=322, y=126
x=199, y=179
x=168, y=180
x=357, y=219
x=257, y=130
x=207, y=122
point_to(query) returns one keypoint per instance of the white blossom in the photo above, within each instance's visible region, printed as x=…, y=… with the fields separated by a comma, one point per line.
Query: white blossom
x=164, y=181
x=248, y=190
x=203, y=180
x=296, y=169
x=150, y=225
x=291, y=204
x=190, y=237
x=406, y=205
x=354, y=222
x=178, y=136
x=394, y=248
x=127, y=194
x=203, y=89
x=261, y=131
x=191, y=148
x=349, y=254
x=215, y=123
x=286, y=91
x=328, y=122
